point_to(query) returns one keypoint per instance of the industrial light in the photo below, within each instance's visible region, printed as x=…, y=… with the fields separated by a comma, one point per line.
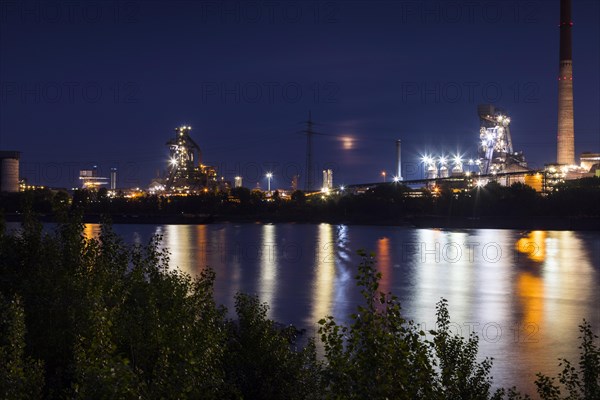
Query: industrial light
x=269, y=176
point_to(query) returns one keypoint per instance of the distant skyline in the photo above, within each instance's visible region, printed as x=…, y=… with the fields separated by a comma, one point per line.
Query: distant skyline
x=106, y=83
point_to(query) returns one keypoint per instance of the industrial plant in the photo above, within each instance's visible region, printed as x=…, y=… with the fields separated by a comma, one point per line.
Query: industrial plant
x=91, y=180
x=496, y=160
x=496, y=152
x=185, y=173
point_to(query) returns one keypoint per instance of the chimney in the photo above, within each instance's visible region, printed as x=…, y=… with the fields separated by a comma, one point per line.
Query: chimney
x=566, y=128
x=398, y=160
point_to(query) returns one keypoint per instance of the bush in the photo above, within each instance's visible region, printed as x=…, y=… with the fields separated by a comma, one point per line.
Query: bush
x=381, y=355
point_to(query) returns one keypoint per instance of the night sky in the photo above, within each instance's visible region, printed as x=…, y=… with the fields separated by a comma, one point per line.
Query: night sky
x=106, y=83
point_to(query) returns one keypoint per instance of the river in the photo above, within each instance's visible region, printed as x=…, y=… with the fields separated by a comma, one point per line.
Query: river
x=523, y=292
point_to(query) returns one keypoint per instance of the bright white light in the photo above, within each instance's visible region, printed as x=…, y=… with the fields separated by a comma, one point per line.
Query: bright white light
x=269, y=176
x=173, y=161
x=342, y=187
x=479, y=183
x=396, y=179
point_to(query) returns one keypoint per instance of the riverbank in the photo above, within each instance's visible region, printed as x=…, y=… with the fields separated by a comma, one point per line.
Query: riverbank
x=430, y=221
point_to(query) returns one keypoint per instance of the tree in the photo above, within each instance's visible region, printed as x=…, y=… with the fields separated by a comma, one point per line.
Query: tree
x=20, y=376
x=261, y=362
x=380, y=355
x=298, y=197
x=100, y=372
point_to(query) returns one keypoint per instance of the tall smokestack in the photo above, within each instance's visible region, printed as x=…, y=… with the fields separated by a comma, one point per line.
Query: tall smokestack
x=566, y=126
x=113, y=178
x=398, y=160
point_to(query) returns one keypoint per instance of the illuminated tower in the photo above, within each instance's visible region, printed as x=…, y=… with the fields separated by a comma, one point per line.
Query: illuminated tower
x=327, y=179
x=398, y=160
x=113, y=178
x=237, y=182
x=566, y=128
x=185, y=153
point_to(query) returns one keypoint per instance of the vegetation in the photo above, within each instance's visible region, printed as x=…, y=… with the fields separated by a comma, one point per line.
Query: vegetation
x=390, y=202
x=99, y=319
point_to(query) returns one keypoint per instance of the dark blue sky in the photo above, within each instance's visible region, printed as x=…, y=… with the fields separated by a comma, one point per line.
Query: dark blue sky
x=107, y=82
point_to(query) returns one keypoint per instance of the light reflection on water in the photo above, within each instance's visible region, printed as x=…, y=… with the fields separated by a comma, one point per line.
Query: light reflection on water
x=523, y=293
x=323, y=288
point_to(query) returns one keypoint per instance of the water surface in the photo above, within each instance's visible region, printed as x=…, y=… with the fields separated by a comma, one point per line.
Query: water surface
x=522, y=292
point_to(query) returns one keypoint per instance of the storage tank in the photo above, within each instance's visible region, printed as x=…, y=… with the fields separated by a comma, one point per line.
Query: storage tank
x=9, y=171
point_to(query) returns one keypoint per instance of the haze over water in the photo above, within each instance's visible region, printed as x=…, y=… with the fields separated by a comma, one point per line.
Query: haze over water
x=523, y=293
